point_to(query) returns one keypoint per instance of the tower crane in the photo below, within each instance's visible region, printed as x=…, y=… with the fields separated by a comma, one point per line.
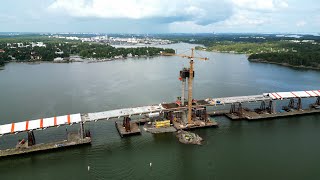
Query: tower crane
x=190, y=80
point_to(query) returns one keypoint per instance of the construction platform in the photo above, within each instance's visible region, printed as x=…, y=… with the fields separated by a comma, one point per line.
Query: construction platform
x=196, y=124
x=150, y=127
x=218, y=112
x=134, y=129
x=141, y=121
x=234, y=116
x=73, y=140
x=251, y=115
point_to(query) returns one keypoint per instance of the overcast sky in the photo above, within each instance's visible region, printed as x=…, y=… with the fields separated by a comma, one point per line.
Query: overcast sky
x=160, y=16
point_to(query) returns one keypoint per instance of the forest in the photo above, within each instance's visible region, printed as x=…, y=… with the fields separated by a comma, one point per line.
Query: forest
x=306, y=54
x=292, y=50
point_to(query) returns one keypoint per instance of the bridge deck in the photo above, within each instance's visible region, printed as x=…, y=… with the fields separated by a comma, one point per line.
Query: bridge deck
x=44, y=123
x=237, y=99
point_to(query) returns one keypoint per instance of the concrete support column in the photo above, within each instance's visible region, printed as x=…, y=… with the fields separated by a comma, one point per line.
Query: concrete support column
x=126, y=123
x=291, y=103
x=299, y=104
x=240, y=109
x=81, y=130
x=183, y=91
x=272, y=107
x=31, y=138
x=263, y=106
x=233, y=108
x=205, y=114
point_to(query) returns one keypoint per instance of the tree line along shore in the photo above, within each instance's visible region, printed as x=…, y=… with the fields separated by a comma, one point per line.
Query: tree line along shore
x=302, y=51
x=298, y=54
x=35, y=51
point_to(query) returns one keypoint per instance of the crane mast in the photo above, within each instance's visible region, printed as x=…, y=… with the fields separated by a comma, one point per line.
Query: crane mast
x=190, y=81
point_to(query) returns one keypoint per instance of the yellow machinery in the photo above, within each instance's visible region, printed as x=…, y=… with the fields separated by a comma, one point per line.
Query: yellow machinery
x=190, y=79
x=161, y=124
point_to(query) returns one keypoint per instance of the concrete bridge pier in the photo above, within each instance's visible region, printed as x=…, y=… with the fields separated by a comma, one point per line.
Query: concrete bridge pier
x=291, y=103
x=299, y=104
x=31, y=138
x=237, y=110
x=81, y=132
x=263, y=106
x=201, y=113
x=240, y=110
x=272, y=107
x=126, y=123
x=232, y=108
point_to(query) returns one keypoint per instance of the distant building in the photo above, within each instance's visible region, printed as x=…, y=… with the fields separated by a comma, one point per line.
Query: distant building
x=12, y=58
x=72, y=38
x=306, y=41
x=58, y=59
x=38, y=44
x=20, y=45
x=59, y=52
x=118, y=57
x=35, y=57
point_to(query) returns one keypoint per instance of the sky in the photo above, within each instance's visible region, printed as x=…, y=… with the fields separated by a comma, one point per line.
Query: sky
x=161, y=16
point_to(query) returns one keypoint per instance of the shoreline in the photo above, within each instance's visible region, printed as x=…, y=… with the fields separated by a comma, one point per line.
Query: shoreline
x=94, y=60
x=264, y=61
x=82, y=60
x=226, y=52
x=283, y=64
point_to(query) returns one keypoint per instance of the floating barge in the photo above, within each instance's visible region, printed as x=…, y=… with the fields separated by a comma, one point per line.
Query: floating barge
x=196, y=124
x=218, y=112
x=125, y=130
x=152, y=128
x=73, y=140
x=251, y=115
x=30, y=146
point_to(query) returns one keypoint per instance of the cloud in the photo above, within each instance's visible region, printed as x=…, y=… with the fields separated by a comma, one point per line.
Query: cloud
x=253, y=13
x=202, y=12
x=177, y=15
x=246, y=18
x=301, y=23
x=260, y=5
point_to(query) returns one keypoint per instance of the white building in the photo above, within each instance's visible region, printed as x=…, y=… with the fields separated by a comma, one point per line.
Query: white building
x=38, y=44
x=58, y=59
x=59, y=52
x=20, y=45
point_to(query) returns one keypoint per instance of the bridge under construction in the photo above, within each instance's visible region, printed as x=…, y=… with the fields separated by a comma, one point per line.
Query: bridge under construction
x=164, y=117
x=184, y=114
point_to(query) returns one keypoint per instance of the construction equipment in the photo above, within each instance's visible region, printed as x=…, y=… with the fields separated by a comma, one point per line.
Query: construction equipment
x=190, y=80
x=163, y=123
